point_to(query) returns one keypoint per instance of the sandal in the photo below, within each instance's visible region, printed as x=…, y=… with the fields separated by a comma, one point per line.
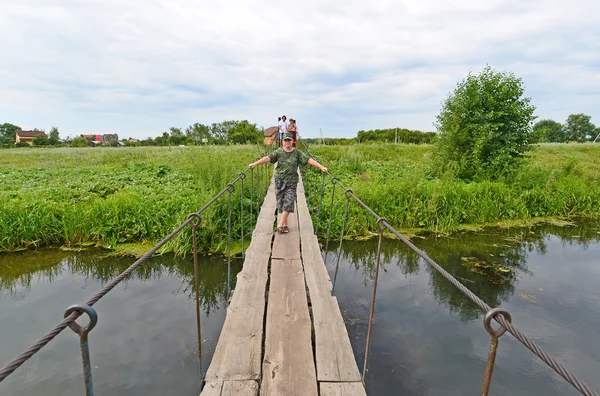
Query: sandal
x=280, y=230
x=286, y=229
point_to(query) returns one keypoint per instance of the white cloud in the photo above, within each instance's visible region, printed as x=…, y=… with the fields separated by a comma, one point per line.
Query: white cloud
x=138, y=67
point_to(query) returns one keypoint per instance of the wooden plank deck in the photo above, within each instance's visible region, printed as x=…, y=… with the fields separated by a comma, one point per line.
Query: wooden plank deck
x=238, y=355
x=289, y=364
x=334, y=356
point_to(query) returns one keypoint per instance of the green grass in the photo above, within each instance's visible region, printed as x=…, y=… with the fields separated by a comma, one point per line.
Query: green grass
x=119, y=196
x=557, y=181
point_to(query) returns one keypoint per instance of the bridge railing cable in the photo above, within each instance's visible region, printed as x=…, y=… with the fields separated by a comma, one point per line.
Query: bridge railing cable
x=500, y=315
x=73, y=312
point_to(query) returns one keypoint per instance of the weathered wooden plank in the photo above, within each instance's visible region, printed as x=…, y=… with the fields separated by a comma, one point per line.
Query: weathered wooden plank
x=342, y=389
x=251, y=282
x=333, y=351
x=310, y=245
x=266, y=216
x=311, y=256
x=212, y=388
x=260, y=243
x=230, y=388
x=288, y=366
x=266, y=223
x=238, y=353
x=287, y=245
x=240, y=388
x=305, y=222
x=334, y=356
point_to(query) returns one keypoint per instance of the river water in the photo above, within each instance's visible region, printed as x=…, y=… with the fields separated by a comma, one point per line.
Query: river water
x=428, y=339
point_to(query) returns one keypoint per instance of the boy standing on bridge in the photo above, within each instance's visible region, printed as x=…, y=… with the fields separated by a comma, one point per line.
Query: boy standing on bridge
x=288, y=159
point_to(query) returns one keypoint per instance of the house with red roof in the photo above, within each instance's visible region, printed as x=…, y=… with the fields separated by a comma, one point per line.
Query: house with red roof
x=94, y=139
x=100, y=139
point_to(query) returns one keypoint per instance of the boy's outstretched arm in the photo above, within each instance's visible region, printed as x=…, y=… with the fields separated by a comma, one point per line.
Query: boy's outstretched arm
x=315, y=163
x=263, y=160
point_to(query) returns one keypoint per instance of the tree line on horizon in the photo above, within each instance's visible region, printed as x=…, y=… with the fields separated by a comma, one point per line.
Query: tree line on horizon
x=226, y=132
x=577, y=128
x=388, y=135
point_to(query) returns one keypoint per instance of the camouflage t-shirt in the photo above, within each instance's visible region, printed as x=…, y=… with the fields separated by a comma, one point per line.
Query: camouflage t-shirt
x=287, y=164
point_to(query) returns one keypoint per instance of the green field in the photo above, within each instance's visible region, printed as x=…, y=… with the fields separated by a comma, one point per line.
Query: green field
x=558, y=181
x=113, y=197
x=116, y=197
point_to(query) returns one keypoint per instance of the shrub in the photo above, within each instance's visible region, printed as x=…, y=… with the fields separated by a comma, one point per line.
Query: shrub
x=484, y=127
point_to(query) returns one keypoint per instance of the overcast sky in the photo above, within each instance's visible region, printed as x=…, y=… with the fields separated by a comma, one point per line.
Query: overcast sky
x=138, y=67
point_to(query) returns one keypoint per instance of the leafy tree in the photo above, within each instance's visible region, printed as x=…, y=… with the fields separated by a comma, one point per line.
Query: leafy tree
x=162, y=140
x=79, y=142
x=177, y=137
x=148, y=142
x=41, y=140
x=54, y=136
x=549, y=131
x=7, y=133
x=244, y=132
x=198, y=131
x=484, y=126
x=220, y=132
x=578, y=128
x=400, y=135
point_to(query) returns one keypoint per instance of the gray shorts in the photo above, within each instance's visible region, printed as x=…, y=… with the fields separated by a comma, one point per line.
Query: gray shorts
x=286, y=195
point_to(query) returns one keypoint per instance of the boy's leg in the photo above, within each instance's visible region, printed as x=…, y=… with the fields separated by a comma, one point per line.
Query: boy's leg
x=284, y=218
x=288, y=198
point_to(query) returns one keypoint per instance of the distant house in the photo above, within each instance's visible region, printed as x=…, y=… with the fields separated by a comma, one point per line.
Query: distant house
x=27, y=136
x=100, y=139
x=110, y=137
x=94, y=139
x=271, y=134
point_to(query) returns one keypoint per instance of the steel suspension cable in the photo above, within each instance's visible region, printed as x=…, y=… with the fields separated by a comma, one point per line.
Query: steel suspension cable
x=532, y=346
x=333, y=182
x=242, y=212
x=43, y=341
x=339, y=252
x=320, y=203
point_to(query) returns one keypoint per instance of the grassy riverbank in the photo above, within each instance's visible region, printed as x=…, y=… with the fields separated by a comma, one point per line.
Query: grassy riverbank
x=558, y=181
x=120, y=196
x=134, y=197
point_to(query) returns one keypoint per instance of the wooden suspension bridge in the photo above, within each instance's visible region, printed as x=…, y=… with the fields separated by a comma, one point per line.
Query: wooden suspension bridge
x=281, y=304
x=284, y=333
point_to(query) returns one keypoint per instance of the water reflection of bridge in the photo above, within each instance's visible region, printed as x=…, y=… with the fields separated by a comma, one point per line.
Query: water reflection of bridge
x=282, y=293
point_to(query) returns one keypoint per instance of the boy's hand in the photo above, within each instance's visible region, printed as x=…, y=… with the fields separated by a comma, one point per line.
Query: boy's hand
x=252, y=165
x=324, y=169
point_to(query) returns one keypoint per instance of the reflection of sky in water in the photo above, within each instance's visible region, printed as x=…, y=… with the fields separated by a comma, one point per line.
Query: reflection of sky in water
x=428, y=339
x=145, y=341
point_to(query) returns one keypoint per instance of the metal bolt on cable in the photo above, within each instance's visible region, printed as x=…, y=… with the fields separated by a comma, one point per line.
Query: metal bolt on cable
x=83, y=341
x=495, y=334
